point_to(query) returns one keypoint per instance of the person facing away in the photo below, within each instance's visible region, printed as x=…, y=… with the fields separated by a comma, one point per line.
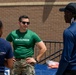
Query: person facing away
x=6, y=54
x=24, y=41
x=67, y=65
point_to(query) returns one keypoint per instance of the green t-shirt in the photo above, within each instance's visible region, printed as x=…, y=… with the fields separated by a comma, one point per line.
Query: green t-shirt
x=23, y=43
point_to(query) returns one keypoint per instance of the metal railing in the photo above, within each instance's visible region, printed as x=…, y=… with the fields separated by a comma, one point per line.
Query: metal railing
x=54, y=51
x=53, y=56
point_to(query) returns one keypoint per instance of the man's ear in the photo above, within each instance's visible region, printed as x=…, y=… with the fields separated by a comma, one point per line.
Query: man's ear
x=0, y=33
x=72, y=20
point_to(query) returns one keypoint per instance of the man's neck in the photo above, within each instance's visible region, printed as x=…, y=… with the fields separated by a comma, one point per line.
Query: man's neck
x=22, y=30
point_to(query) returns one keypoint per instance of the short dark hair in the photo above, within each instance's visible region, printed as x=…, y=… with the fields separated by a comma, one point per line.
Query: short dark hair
x=1, y=25
x=23, y=16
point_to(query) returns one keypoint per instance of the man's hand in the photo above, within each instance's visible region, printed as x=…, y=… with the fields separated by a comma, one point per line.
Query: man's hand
x=30, y=60
x=14, y=59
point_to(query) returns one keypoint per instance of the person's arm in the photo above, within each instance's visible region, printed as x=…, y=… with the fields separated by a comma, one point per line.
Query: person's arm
x=9, y=37
x=9, y=63
x=42, y=49
x=68, y=42
x=9, y=57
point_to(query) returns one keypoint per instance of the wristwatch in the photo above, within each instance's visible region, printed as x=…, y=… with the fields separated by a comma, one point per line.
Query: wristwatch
x=36, y=60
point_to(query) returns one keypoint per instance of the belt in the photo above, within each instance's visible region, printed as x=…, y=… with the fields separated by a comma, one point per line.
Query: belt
x=18, y=59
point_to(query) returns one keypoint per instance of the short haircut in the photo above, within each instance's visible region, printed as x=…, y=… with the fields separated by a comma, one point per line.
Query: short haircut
x=23, y=16
x=1, y=25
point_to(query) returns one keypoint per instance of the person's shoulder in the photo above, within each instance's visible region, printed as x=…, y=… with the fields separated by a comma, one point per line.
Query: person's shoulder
x=2, y=40
x=72, y=27
x=66, y=31
x=32, y=32
x=13, y=32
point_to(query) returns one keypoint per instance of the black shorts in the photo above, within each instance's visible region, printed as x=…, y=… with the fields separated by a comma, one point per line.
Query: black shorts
x=69, y=72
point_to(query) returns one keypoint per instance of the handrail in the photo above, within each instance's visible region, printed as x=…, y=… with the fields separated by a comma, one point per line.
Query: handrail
x=49, y=41
x=53, y=52
x=51, y=56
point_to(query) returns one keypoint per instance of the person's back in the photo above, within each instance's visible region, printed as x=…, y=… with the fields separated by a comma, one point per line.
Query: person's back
x=71, y=32
x=4, y=51
x=67, y=64
x=6, y=54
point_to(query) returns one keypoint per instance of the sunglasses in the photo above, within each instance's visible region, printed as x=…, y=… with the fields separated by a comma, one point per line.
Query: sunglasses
x=26, y=23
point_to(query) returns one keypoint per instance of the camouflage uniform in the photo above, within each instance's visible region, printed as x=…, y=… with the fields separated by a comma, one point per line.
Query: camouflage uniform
x=22, y=68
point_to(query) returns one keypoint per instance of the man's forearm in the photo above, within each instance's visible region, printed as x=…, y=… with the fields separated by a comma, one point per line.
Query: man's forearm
x=41, y=53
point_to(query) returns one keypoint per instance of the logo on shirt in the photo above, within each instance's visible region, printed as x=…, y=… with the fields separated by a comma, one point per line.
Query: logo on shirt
x=2, y=53
x=21, y=39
